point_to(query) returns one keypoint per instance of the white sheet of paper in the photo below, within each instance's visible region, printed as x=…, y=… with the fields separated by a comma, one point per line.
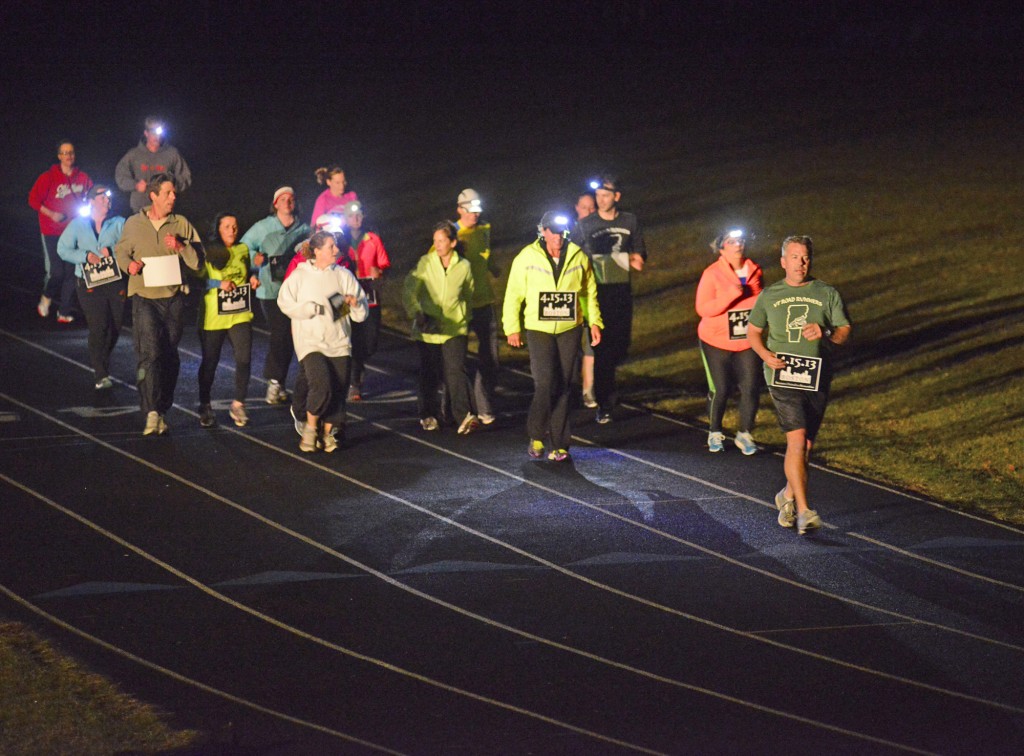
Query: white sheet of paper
x=161, y=271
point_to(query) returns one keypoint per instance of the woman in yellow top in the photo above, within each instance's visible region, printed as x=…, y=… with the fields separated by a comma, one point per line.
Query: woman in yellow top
x=227, y=314
x=438, y=296
x=552, y=292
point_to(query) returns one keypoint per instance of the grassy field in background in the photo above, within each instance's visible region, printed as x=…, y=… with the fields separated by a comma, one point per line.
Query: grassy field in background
x=921, y=227
x=49, y=704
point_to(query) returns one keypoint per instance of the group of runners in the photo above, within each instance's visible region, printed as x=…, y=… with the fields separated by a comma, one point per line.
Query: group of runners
x=568, y=299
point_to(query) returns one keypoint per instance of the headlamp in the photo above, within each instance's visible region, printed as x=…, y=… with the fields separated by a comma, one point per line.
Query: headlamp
x=334, y=226
x=561, y=220
x=474, y=206
x=158, y=130
x=84, y=211
x=736, y=233
x=595, y=184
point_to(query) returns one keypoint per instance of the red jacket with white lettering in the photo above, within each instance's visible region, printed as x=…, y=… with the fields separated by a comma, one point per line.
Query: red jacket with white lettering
x=62, y=194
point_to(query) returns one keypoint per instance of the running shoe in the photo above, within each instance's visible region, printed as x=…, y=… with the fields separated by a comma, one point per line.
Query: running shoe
x=43, y=308
x=745, y=443
x=468, y=425
x=429, y=424
x=787, y=509
x=206, y=418
x=161, y=425
x=807, y=520
x=299, y=424
x=486, y=418
x=716, y=441
x=604, y=417
x=276, y=393
x=589, y=400
x=355, y=393
x=152, y=423
x=330, y=442
x=65, y=319
x=535, y=449
x=309, y=439
x=104, y=383
x=239, y=415
x=559, y=455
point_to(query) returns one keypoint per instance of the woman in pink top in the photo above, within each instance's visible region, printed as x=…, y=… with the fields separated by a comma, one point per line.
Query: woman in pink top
x=334, y=195
x=725, y=295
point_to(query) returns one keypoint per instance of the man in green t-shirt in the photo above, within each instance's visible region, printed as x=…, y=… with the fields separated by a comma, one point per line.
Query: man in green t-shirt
x=803, y=317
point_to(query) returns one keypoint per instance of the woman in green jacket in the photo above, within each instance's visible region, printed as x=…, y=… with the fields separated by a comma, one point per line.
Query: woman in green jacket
x=438, y=296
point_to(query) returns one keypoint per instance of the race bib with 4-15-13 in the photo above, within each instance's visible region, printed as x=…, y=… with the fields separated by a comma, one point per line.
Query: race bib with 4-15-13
x=738, y=320
x=558, y=306
x=802, y=373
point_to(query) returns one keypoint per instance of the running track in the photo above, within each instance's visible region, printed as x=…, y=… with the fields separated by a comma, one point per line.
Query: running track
x=428, y=593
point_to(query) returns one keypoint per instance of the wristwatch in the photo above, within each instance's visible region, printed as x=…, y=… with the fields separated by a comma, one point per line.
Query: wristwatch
x=827, y=332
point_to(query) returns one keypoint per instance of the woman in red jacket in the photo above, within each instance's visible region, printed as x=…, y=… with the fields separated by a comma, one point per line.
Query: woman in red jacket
x=57, y=196
x=725, y=296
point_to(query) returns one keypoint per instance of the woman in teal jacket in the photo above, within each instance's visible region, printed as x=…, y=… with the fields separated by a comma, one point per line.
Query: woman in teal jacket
x=226, y=314
x=89, y=241
x=438, y=296
x=552, y=291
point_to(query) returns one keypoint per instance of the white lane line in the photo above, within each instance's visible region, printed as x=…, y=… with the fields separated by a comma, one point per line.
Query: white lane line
x=696, y=546
x=532, y=557
x=849, y=476
x=245, y=608
x=177, y=676
x=621, y=518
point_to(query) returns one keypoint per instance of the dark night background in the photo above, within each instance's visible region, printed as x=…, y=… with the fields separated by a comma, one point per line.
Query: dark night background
x=523, y=101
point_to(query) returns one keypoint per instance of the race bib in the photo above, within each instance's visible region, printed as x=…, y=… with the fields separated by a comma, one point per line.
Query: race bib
x=235, y=301
x=802, y=373
x=738, y=324
x=103, y=272
x=559, y=306
x=369, y=289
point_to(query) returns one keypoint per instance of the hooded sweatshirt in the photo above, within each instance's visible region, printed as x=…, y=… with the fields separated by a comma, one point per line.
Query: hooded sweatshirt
x=62, y=194
x=139, y=164
x=305, y=298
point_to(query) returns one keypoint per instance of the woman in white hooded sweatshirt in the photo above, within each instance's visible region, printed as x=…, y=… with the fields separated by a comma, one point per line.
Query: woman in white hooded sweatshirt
x=321, y=298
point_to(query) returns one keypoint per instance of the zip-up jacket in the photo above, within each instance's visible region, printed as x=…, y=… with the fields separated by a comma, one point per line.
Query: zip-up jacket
x=236, y=270
x=444, y=296
x=531, y=275
x=717, y=298
x=276, y=243
x=140, y=240
x=79, y=239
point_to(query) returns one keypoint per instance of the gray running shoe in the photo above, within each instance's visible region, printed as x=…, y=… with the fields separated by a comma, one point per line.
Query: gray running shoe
x=807, y=520
x=429, y=424
x=309, y=439
x=299, y=424
x=104, y=383
x=589, y=400
x=276, y=393
x=716, y=441
x=787, y=509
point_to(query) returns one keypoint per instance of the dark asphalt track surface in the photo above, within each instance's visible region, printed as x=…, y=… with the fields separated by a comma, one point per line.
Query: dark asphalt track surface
x=428, y=593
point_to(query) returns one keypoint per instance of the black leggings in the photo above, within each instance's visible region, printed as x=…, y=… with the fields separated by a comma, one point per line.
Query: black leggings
x=726, y=370
x=212, y=342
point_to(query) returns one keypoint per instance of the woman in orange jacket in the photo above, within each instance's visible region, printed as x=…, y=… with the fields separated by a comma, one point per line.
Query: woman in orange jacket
x=725, y=296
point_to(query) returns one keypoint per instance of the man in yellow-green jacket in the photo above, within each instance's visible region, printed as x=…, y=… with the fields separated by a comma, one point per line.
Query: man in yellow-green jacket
x=552, y=295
